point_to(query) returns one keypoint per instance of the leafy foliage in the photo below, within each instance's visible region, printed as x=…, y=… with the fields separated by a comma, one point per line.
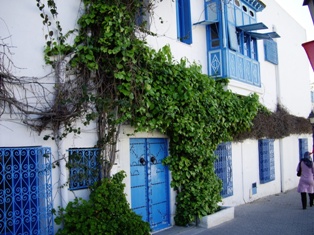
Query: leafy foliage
x=197, y=114
x=124, y=80
x=106, y=212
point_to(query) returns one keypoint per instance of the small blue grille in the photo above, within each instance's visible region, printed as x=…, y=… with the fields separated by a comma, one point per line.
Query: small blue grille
x=84, y=167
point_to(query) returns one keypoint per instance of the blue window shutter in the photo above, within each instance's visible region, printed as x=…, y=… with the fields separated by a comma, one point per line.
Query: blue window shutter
x=266, y=160
x=303, y=147
x=270, y=51
x=223, y=168
x=233, y=40
x=184, y=21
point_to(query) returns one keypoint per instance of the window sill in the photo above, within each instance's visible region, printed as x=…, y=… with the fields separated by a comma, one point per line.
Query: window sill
x=242, y=88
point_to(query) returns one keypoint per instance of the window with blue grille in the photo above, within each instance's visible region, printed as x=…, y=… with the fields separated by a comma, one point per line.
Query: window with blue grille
x=84, y=167
x=26, y=191
x=184, y=23
x=303, y=147
x=266, y=160
x=214, y=36
x=223, y=168
x=270, y=51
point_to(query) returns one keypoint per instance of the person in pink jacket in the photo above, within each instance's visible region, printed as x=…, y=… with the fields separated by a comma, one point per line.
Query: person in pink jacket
x=306, y=182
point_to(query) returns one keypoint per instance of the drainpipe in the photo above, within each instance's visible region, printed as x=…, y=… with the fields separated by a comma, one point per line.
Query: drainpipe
x=281, y=159
x=61, y=171
x=278, y=99
x=61, y=158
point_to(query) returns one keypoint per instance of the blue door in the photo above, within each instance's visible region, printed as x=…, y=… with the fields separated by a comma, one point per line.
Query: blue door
x=150, y=181
x=25, y=191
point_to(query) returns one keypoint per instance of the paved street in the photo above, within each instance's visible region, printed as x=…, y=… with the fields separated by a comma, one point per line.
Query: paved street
x=277, y=214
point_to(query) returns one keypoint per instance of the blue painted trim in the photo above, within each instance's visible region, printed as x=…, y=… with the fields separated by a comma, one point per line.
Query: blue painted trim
x=184, y=23
x=256, y=5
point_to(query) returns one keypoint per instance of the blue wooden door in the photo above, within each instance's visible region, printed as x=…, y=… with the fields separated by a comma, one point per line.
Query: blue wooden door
x=149, y=181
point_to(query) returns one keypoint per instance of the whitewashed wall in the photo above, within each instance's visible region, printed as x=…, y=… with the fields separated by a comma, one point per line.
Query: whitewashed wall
x=291, y=77
x=287, y=82
x=22, y=30
x=167, y=32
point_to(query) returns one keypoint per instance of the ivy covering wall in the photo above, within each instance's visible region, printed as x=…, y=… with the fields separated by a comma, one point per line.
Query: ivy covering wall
x=120, y=79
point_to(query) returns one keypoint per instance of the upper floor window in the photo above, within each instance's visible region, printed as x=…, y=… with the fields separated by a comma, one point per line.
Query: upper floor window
x=243, y=43
x=184, y=23
x=270, y=51
x=214, y=35
x=212, y=10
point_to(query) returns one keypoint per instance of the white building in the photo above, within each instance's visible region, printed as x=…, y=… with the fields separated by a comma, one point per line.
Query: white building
x=229, y=39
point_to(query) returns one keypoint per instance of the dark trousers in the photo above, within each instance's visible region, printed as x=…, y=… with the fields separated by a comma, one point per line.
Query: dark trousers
x=304, y=199
x=311, y=197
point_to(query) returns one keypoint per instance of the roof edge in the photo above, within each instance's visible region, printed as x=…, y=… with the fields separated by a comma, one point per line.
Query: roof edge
x=257, y=5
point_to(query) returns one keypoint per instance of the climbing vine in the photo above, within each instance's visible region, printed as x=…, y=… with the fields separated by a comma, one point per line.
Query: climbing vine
x=119, y=79
x=110, y=76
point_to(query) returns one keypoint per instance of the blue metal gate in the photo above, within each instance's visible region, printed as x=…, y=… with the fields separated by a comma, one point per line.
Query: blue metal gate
x=25, y=191
x=150, y=182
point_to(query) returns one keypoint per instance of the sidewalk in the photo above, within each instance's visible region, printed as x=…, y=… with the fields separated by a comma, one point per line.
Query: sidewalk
x=277, y=214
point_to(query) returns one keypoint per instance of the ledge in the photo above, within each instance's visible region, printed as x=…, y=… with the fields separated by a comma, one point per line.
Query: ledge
x=225, y=214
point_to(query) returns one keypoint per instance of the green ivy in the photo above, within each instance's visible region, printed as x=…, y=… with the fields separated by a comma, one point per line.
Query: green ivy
x=152, y=91
x=197, y=114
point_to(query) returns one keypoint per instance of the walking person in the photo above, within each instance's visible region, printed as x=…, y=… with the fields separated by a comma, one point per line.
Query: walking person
x=306, y=182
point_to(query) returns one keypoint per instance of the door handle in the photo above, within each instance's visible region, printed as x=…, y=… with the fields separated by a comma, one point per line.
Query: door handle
x=142, y=161
x=153, y=160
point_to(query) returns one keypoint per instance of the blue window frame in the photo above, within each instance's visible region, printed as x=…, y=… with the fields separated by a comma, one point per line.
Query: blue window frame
x=303, y=147
x=184, y=23
x=214, y=36
x=243, y=43
x=26, y=191
x=84, y=167
x=270, y=51
x=223, y=168
x=266, y=160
